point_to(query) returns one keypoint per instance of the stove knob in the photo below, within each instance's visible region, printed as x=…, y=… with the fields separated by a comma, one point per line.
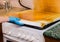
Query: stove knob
x=27, y=37
x=9, y=32
x=37, y=41
x=32, y=38
x=19, y=35
x=23, y=36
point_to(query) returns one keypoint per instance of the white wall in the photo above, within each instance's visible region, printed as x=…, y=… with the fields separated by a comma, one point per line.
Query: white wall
x=28, y=3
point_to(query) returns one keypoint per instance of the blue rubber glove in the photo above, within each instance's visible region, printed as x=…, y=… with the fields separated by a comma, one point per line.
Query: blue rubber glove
x=15, y=20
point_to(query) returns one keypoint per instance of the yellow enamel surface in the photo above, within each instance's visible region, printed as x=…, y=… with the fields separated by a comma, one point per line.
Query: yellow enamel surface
x=39, y=5
x=43, y=10
x=34, y=16
x=46, y=10
x=47, y=5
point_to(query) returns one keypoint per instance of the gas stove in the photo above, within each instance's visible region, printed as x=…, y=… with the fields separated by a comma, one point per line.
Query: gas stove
x=15, y=33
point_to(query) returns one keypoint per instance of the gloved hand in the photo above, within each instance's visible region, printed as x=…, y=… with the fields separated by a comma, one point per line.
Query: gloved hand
x=15, y=20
